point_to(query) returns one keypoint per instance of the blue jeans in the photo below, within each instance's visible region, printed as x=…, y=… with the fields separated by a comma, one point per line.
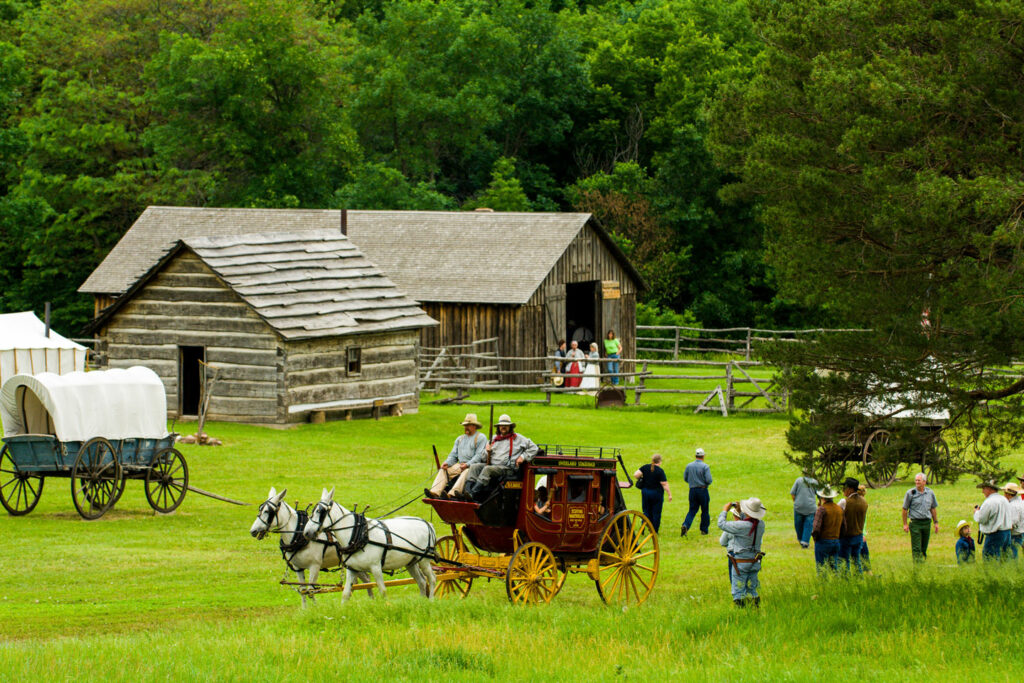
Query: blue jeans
x=652, y=502
x=1015, y=541
x=803, y=524
x=827, y=551
x=850, y=547
x=743, y=576
x=613, y=367
x=700, y=499
x=997, y=545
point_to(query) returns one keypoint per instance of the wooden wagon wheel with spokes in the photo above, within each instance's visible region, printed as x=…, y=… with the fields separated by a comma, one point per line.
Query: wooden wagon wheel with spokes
x=167, y=480
x=95, y=478
x=878, y=463
x=628, y=558
x=533, y=575
x=447, y=548
x=830, y=462
x=19, y=491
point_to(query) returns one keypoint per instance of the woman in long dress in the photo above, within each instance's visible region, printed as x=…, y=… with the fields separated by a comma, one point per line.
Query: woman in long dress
x=573, y=365
x=592, y=374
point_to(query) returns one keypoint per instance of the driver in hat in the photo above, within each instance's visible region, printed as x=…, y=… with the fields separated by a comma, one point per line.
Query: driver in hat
x=506, y=452
x=742, y=538
x=467, y=450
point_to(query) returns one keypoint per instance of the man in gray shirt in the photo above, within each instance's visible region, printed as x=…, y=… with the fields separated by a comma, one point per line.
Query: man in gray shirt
x=919, y=505
x=698, y=475
x=804, y=507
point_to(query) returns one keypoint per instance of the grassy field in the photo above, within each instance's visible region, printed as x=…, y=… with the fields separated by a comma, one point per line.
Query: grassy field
x=192, y=596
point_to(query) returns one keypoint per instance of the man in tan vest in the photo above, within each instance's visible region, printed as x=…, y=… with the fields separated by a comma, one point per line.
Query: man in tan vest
x=467, y=450
x=828, y=527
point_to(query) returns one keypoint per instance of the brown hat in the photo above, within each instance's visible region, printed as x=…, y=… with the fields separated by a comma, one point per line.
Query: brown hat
x=472, y=420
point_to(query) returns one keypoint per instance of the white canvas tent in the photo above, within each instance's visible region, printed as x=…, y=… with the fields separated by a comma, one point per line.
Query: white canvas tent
x=25, y=349
x=115, y=404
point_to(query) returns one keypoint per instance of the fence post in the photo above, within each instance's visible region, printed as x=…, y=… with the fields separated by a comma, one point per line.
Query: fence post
x=748, y=346
x=675, y=349
x=729, y=387
x=639, y=387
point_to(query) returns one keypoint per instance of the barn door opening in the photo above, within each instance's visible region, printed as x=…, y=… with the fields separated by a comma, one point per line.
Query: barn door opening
x=190, y=379
x=583, y=312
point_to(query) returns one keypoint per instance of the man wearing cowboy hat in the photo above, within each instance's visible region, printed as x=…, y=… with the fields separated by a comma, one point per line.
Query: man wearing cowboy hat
x=995, y=519
x=1012, y=492
x=742, y=538
x=468, y=450
x=502, y=456
x=829, y=523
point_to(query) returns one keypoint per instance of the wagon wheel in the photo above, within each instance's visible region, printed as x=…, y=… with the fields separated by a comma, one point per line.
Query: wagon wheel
x=937, y=451
x=118, y=491
x=447, y=548
x=167, y=481
x=532, y=575
x=628, y=559
x=831, y=463
x=19, y=491
x=95, y=478
x=879, y=465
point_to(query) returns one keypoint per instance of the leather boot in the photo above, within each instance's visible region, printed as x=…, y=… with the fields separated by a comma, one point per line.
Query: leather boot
x=683, y=530
x=739, y=603
x=757, y=601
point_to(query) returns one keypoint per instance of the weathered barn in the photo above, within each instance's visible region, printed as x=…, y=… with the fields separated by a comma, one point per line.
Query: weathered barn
x=295, y=323
x=526, y=278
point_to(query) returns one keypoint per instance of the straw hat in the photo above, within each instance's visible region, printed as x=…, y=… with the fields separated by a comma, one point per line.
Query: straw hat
x=471, y=419
x=960, y=525
x=752, y=507
x=505, y=420
x=557, y=380
x=828, y=492
x=1012, y=488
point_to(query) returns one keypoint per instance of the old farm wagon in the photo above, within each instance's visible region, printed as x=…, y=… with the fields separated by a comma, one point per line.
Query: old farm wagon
x=97, y=429
x=586, y=530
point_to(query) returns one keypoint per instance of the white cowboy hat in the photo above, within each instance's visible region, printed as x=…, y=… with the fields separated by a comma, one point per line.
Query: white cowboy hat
x=1012, y=488
x=752, y=507
x=471, y=419
x=828, y=493
x=506, y=421
x=960, y=525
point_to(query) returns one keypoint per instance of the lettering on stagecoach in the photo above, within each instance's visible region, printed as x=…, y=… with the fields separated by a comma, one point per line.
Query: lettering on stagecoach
x=577, y=517
x=513, y=484
x=576, y=463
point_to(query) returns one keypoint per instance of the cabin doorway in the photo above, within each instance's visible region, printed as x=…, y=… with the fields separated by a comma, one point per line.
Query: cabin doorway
x=583, y=313
x=190, y=379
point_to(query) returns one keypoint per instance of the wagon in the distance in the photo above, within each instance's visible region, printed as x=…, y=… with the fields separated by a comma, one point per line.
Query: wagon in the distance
x=587, y=531
x=97, y=429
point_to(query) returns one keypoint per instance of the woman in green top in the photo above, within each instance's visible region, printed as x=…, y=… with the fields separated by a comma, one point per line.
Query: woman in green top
x=612, y=349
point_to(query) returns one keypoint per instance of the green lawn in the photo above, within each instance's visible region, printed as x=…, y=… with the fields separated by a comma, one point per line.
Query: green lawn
x=192, y=596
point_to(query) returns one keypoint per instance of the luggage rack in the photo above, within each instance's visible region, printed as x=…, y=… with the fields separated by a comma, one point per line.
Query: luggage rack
x=564, y=451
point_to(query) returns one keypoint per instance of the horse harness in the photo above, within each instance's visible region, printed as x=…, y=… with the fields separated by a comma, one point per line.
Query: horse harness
x=361, y=538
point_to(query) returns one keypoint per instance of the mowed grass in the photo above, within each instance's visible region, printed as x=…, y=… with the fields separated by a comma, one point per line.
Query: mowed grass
x=135, y=596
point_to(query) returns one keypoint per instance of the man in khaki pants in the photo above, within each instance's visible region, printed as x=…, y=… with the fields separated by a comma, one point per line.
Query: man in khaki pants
x=468, y=450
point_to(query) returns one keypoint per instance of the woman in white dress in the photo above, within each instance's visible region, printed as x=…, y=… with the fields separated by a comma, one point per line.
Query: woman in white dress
x=592, y=373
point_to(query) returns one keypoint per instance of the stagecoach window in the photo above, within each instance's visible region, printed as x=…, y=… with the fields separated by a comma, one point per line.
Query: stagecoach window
x=578, y=489
x=355, y=360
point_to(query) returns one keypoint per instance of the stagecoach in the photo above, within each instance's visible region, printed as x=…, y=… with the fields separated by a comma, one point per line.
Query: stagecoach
x=588, y=530
x=97, y=429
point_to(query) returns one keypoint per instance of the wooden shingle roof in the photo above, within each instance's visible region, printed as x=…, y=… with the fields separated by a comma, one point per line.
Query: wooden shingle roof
x=306, y=284
x=443, y=256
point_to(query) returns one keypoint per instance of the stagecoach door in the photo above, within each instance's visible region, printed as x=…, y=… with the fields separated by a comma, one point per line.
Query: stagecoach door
x=190, y=379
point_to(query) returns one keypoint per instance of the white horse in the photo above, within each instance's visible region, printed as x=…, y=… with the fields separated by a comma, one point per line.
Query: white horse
x=375, y=545
x=299, y=554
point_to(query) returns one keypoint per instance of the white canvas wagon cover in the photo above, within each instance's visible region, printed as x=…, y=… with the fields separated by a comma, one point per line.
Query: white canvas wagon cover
x=25, y=348
x=114, y=404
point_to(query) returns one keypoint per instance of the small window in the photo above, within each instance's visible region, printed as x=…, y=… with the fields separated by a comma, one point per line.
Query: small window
x=355, y=360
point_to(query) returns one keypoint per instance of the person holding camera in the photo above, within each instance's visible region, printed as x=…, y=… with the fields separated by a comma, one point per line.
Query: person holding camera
x=742, y=539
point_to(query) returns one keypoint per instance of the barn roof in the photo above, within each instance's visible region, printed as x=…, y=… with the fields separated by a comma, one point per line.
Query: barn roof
x=476, y=256
x=304, y=284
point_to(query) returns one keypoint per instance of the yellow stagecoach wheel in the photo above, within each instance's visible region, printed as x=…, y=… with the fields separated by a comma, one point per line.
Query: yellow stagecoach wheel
x=532, y=575
x=627, y=559
x=447, y=548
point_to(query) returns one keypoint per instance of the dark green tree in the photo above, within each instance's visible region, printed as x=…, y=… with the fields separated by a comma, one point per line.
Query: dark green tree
x=884, y=144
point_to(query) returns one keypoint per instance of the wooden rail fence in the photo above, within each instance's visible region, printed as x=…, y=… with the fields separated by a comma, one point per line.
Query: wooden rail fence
x=670, y=341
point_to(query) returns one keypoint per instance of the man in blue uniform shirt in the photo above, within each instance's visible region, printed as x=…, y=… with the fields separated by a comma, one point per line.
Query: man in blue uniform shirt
x=698, y=476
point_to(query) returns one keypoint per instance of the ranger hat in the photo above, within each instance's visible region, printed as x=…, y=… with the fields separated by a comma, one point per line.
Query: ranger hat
x=828, y=492
x=505, y=420
x=471, y=419
x=752, y=507
x=990, y=484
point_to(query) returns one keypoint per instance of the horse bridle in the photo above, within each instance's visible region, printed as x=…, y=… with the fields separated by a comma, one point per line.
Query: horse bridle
x=274, y=508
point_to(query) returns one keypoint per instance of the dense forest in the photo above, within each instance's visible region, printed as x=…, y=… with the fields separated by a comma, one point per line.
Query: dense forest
x=107, y=106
